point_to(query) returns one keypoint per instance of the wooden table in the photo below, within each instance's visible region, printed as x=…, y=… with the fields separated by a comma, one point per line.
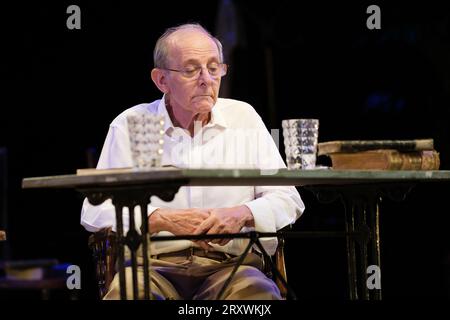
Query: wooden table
x=359, y=191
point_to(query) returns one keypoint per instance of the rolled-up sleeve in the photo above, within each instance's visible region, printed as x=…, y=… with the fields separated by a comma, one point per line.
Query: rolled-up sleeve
x=274, y=207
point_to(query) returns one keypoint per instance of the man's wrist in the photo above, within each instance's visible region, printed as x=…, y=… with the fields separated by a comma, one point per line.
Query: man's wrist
x=156, y=223
x=248, y=216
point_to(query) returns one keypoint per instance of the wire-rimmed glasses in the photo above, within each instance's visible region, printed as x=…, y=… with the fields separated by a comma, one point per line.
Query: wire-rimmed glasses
x=215, y=70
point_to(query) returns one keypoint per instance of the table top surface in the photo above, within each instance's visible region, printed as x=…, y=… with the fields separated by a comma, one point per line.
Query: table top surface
x=231, y=177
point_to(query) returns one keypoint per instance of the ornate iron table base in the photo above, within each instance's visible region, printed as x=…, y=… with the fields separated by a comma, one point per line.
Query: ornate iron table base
x=362, y=229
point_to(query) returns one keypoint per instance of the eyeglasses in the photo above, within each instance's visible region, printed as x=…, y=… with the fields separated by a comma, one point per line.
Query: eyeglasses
x=215, y=70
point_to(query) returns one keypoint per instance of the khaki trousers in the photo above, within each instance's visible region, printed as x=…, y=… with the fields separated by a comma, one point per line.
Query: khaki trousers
x=199, y=278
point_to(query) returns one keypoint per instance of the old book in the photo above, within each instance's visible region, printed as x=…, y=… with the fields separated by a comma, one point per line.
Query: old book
x=92, y=171
x=365, y=145
x=386, y=160
x=35, y=273
x=27, y=269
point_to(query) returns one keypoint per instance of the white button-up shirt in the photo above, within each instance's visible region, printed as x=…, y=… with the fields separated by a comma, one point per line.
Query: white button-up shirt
x=235, y=137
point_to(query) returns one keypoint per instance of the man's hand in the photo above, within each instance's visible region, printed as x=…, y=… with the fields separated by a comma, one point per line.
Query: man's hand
x=179, y=222
x=224, y=221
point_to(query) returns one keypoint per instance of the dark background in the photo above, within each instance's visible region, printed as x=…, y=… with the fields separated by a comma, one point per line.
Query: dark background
x=61, y=88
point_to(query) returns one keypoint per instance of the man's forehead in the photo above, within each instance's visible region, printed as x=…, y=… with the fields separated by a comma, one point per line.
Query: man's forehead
x=191, y=42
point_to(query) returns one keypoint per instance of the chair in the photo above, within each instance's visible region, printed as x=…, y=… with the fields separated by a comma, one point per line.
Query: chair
x=103, y=246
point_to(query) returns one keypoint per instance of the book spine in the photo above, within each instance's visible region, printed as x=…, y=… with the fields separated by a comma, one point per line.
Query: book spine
x=423, y=160
x=430, y=160
x=409, y=161
x=386, y=160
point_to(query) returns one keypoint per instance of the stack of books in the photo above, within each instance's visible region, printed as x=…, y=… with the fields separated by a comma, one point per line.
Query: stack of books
x=381, y=154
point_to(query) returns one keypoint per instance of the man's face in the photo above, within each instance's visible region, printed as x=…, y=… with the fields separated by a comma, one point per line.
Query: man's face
x=192, y=49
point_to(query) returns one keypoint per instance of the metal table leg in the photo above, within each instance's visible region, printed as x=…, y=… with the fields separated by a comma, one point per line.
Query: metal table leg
x=362, y=232
x=131, y=197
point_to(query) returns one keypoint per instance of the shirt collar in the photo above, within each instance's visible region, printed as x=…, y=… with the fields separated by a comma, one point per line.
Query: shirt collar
x=162, y=110
x=217, y=118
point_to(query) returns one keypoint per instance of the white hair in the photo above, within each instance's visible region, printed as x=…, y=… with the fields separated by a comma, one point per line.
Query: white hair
x=161, y=52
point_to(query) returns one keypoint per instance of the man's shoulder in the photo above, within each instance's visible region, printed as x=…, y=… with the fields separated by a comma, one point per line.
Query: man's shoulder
x=235, y=108
x=141, y=108
x=225, y=103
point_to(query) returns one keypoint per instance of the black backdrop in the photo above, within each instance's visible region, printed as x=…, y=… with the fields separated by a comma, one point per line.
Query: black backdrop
x=61, y=88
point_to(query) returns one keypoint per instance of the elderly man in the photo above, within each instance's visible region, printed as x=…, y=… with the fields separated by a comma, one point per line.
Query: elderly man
x=201, y=130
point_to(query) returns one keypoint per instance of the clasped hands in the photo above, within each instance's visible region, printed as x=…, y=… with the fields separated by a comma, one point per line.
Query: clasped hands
x=197, y=221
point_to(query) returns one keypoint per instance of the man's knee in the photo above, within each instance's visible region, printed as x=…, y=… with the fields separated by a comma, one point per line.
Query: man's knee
x=251, y=284
x=160, y=288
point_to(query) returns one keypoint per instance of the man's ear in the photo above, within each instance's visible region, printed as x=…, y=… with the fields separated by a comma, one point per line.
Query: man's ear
x=159, y=78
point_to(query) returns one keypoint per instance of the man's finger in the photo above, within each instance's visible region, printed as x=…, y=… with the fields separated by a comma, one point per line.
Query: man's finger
x=215, y=230
x=204, y=213
x=204, y=245
x=204, y=226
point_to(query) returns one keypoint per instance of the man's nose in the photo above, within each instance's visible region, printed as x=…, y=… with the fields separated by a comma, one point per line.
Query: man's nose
x=205, y=77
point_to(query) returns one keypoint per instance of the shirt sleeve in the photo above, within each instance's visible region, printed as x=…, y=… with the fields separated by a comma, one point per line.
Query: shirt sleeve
x=115, y=154
x=274, y=207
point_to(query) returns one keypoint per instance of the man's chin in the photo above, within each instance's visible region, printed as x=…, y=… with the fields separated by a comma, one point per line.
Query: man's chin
x=204, y=107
